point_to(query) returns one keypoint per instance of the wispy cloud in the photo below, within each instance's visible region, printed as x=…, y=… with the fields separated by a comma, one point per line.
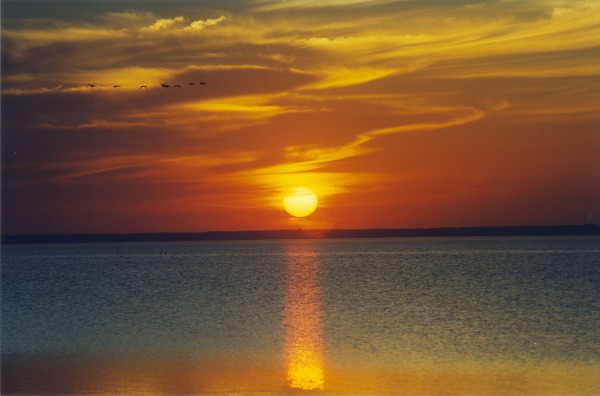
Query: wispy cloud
x=163, y=23
x=178, y=24
x=202, y=24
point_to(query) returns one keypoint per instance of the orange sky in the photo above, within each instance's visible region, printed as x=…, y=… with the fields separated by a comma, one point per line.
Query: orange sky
x=395, y=113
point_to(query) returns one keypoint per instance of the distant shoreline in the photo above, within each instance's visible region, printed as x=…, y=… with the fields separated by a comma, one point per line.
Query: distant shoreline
x=558, y=230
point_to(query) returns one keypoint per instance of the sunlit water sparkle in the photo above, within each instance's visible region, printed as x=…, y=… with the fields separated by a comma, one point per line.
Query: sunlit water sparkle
x=380, y=316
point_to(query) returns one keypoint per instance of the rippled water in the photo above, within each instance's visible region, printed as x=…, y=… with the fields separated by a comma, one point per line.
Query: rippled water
x=380, y=316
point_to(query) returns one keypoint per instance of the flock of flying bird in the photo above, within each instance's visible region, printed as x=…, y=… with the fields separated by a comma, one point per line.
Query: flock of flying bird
x=164, y=85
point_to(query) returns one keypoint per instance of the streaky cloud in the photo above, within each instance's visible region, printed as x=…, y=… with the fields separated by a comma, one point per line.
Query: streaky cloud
x=202, y=24
x=163, y=23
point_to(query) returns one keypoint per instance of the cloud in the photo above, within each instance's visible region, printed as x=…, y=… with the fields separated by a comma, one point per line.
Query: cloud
x=270, y=5
x=250, y=105
x=335, y=77
x=318, y=157
x=163, y=23
x=201, y=24
x=175, y=25
x=23, y=39
x=127, y=18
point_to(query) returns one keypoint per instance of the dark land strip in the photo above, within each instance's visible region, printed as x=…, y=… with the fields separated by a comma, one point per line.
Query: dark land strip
x=517, y=231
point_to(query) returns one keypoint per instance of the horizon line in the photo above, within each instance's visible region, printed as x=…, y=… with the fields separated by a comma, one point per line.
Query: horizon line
x=299, y=233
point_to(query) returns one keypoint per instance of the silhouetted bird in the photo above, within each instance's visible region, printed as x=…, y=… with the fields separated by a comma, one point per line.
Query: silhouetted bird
x=191, y=83
x=165, y=85
x=202, y=83
x=116, y=86
x=143, y=86
x=176, y=86
x=91, y=85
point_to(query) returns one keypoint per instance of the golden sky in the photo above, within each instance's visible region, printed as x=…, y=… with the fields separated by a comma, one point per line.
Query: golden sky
x=395, y=113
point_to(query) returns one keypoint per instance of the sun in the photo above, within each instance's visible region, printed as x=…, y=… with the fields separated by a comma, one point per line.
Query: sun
x=301, y=202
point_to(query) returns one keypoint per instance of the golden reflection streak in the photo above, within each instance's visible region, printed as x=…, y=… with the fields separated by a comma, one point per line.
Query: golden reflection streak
x=302, y=322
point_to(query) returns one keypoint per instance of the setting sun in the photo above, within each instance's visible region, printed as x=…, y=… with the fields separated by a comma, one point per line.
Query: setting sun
x=301, y=202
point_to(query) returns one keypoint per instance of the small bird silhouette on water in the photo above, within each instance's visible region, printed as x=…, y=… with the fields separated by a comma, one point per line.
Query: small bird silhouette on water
x=191, y=83
x=165, y=85
x=176, y=86
x=91, y=85
x=202, y=83
x=143, y=86
x=116, y=86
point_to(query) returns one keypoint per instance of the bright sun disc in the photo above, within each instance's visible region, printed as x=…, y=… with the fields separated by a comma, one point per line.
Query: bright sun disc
x=301, y=202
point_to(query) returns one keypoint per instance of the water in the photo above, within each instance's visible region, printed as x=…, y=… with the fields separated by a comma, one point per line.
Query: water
x=368, y=316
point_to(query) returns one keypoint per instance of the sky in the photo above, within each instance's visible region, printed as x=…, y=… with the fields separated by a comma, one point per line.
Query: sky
x=397, y=114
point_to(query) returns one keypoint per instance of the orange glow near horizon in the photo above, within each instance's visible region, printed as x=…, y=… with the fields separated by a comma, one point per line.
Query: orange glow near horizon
x=302, y=318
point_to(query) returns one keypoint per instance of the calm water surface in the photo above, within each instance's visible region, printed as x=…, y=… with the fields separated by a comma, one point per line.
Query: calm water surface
x=369, y=316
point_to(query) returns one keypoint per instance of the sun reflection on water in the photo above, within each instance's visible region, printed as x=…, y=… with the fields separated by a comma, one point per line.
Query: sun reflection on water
x=302, y=320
